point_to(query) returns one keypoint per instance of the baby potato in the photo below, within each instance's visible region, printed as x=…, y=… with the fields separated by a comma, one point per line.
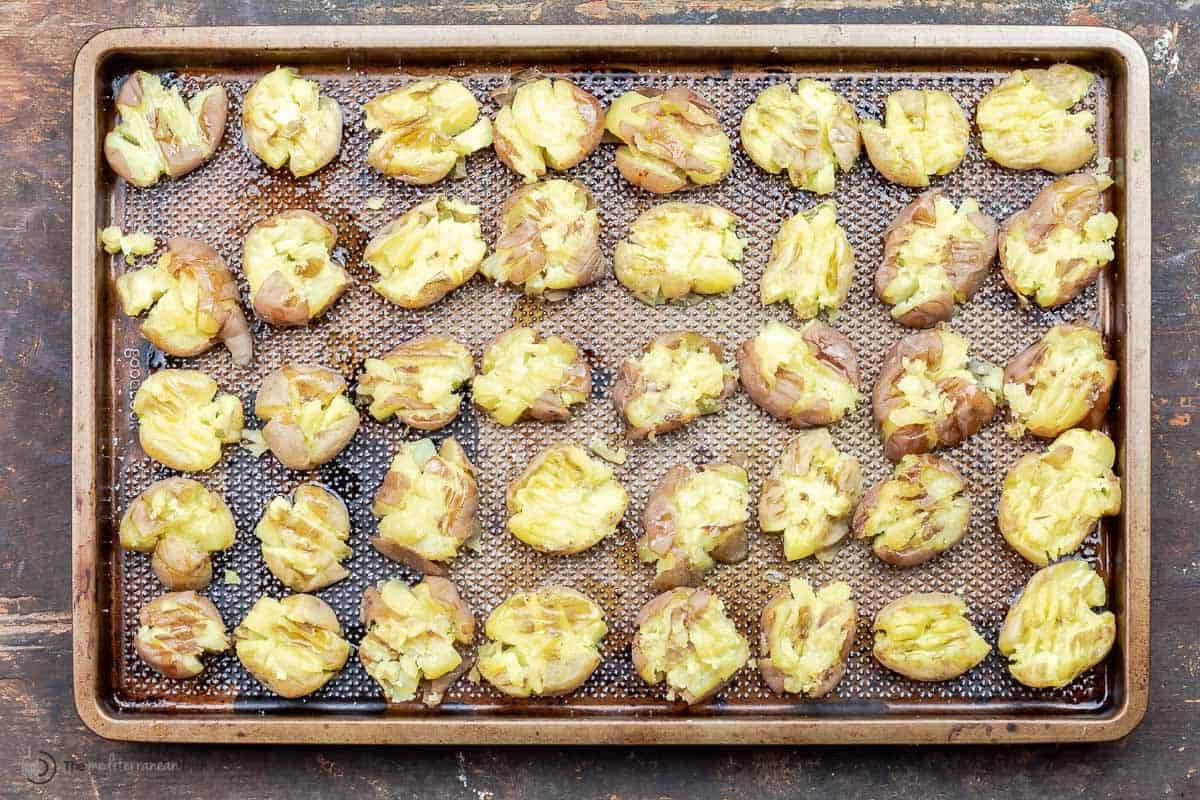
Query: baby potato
x=542, y=643
x=931, y=393
x=415, y=638
x=427, y=252
x=294, y=646
x=286, y=120
x=695, y=516
x=677, y=249
x=934, y=258
x=309, y=419
x=182, y=421
x=807, y=377
x=158, y=133
x=1052, y=635
x=685, y=639
x=927, y=636
x=524, y=376
x=565, y=501
x=418, y=382
x=288, y=263
x=917, y=514
x=925, y=132
x=811, y=265
x=1053, y=500
x=811, y=131
x=425, y=130
x=304, y=538
x=180, y=522
x=809, y=495
x=426, y=505
x=671, y=139
x=549, y=239
x=1063, y=381
x=1025, y=124
x=546, y=123
x=176, y=630
x=806, y=638
x=193, y=302
x=1057, y=247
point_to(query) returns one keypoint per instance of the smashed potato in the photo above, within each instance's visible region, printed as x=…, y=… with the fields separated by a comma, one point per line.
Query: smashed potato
x=418, y=382
x=677, y=249
x=286, y=120
x=671, y=139
x=426, y=505
x=542, y=643
x=294, y=646
x=1052, y=635
x=427, y=252
x=1025, y=121
x=180, y=522
x=809, y=495
x=415, y=638
x=176, y=630
x=544, y=124
x=811, y=131
x=426, y=130
x=917, y=514
x=806, y=638
x=1057, y=247
x=811, y=265
x=925, y=132
x=565, y=501
x=1053, y=500
x=934, y=258
x=193, y=302
x=182, y=421
x=1063, y=381
x=524, y=376
x=931, y=393
x=695, y=517
x=160, y=134
x=304, y=538
x=309, y=418
x=678, y=377
x=927, y=636
x=685, y=639
x=288, y=263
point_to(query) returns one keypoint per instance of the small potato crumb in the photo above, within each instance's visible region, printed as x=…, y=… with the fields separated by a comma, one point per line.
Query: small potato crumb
x=374, y=203
x=135, y=244
x=232, y=578
x=602, y=448
x=253, y=442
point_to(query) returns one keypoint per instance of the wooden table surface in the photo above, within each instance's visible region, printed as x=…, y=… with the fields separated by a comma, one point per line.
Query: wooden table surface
x=39, y=729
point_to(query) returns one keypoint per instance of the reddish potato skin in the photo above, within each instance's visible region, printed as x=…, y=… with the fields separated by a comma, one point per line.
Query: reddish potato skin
x=1020, y=370
x=590, y=111
x=587, y=267
x=774, y=678
x=180, y=564
x=831, y=346
x=636, y=171
x=285, y=439
x=548, y=407
x=180, y=160
x=166, y=663
x=698, y=602
x=274, y=301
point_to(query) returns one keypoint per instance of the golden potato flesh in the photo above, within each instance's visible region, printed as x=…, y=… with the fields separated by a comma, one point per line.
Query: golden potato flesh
x=549, y=239
x=1052, y=635
x=425, y=130
x=418, y=382
x=176, y=630
x=294, y=646
x=286, y=120
x=671, y=139
x=806, y=637
x=161, y=134
x=304, y=538
x=309, y=418
x=925, y=132
x=1025, y=121
x=685, y=639
x=288, y=263
x=193, y=302
x=547, y=124
x=679, y=377
x=542, y=643
x=1053, y=500
x=809, y=495
x=424, y=254
x=1063, y=381
x=812, y=264
x=565, y=501
x=181, y=522
x=927, y=636
x=811, y=131
x=524, y=376
x=677, y=249
x=415, y=637
x=182, y=421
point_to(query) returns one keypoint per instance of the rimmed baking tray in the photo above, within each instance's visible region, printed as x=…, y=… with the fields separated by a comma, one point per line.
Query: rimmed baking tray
x=119, y=698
